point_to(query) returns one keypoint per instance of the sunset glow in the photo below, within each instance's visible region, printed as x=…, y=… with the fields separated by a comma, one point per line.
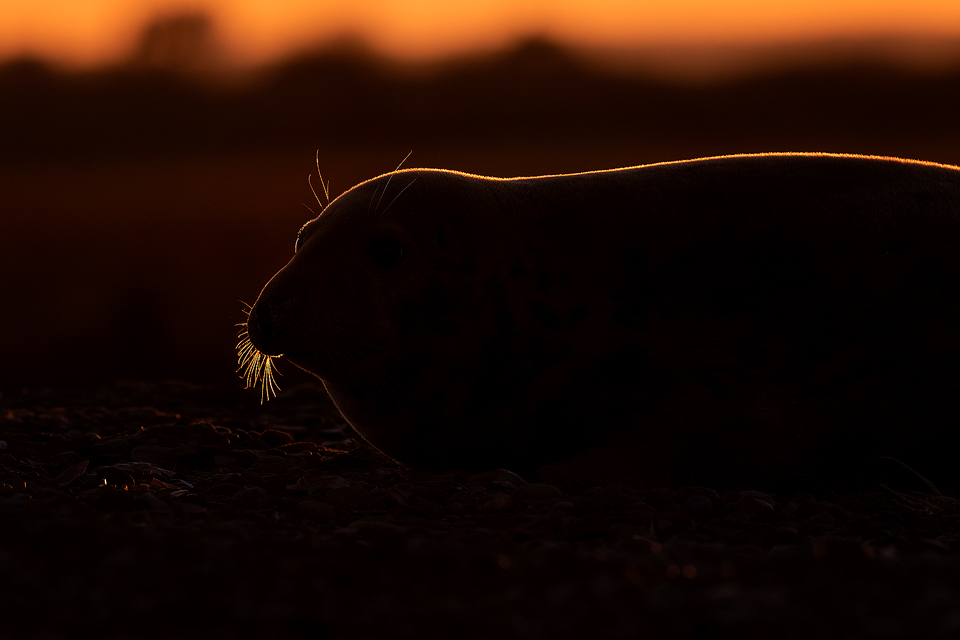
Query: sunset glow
x=88, y=32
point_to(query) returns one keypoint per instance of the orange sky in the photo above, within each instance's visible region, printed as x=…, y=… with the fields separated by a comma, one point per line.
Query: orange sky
x=84, y=32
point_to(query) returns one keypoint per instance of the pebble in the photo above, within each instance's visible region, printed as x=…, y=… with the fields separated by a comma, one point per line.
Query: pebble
x=391, y=496
x=659, y=498
x=925, y=524
x=698, y=505
x=377, y=529
x=211, y=437
x=71, y=473
x=311, y=482
x=113, y=476
x=253, y=497
x=502, y=477
x=824, y=518
x=536, y=491
x=615, y=496
x=497, y=502
x=686, y=492
x=753, y=507
x=315, y=510
x=757, y=494
x=590, y=525
x=144, y=468
x=276, y=438
x=348, y=498
x=153, y=454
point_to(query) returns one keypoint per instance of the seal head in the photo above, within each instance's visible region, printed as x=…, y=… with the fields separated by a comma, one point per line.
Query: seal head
x=387, y=301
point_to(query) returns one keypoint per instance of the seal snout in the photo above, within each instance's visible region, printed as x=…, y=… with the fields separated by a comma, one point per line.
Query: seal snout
x=264, y=326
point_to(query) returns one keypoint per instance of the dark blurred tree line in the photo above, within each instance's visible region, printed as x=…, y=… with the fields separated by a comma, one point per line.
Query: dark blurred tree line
x=168, y=98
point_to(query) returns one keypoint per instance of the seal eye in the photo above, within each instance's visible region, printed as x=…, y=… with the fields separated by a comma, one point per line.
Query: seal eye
x=386, y=253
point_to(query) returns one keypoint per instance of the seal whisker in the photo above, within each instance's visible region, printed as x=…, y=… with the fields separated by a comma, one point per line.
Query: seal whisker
x=387, y=185
x=384, y=192
x=384, y=212
x=257, y=368
x=326, y=187
x=372, y=198
x=325, y=193
x=405, y=158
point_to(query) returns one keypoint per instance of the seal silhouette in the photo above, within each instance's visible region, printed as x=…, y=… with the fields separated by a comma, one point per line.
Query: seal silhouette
x=729, y=319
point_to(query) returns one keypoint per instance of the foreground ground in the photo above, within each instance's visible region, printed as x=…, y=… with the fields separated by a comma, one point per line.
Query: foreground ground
x=169, y=510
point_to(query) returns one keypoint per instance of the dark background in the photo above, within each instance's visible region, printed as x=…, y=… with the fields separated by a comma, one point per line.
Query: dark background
x=141, y=203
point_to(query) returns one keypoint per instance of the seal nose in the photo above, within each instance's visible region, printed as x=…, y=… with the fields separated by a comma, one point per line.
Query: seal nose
x=264, y=330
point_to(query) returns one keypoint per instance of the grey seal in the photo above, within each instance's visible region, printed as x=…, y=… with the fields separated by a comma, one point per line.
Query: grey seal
x=742, y=318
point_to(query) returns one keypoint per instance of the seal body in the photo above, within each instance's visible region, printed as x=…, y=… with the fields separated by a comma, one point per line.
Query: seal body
x=731, y=319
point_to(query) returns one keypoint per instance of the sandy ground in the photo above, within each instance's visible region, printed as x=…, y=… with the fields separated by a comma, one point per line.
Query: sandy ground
x=156, y=510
